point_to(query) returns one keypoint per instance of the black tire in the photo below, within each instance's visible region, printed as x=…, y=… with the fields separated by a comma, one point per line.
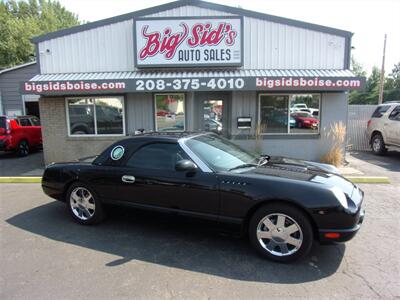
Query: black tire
x=93, y=216
x=23, y=148
x=378, y=145
x=305, y=234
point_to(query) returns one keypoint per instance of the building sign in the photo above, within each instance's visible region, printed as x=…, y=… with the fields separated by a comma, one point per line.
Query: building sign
x=188, y=41
x=255, y=83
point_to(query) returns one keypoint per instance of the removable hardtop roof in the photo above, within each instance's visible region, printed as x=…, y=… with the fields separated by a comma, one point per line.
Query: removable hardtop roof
x=132, y=143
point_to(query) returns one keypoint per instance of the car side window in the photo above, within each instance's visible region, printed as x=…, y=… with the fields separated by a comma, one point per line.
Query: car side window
x=395, y=114
x=24, y=122
x=380, y=110
x=35, y=121
x=157, y=156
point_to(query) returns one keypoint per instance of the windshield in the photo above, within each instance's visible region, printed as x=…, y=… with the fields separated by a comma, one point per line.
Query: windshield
x=219, y=153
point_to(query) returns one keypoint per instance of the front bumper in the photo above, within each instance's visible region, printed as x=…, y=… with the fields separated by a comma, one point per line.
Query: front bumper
x=328, y=236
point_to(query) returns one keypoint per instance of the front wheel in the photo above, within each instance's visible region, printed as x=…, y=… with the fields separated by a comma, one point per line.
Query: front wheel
x=83, y=204
x=280, y=232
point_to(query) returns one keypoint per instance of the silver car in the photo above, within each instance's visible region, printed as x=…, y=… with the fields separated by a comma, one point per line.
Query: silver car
x=383, y=128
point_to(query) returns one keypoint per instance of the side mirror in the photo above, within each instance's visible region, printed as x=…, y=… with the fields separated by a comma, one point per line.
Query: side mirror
x=185, y=165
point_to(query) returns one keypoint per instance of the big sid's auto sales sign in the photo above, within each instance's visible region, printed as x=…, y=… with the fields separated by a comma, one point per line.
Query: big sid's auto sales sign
x=191, y=41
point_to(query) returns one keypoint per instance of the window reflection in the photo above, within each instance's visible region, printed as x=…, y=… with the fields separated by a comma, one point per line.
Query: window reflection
x=274, y=114
x=170, y=112
x=282, y=114
x=213, y=115
x=102, y=115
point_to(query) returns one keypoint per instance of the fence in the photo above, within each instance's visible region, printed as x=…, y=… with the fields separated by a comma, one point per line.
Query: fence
x=358, y=117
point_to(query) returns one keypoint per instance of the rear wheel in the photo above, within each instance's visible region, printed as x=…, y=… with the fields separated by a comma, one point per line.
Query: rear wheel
x=83, y=204
x=280, y=232
x=378, y=145
x=23, y=148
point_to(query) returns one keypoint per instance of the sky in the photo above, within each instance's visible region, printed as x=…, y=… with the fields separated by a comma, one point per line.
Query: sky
x=369, y=20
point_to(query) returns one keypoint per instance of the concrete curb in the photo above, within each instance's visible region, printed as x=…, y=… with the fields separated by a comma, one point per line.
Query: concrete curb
x=20, y=179
x=368, y=179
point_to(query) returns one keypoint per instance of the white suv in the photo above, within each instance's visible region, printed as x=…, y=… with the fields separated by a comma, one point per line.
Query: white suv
x=384, y=128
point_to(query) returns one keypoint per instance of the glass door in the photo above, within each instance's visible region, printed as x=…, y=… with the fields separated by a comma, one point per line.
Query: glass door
x=213, y=115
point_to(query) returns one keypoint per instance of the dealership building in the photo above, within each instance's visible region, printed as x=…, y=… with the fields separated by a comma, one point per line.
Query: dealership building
x=268, y=83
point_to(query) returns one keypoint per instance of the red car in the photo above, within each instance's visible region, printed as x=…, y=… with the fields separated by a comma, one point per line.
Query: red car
x=305, y=120
x=20, y=134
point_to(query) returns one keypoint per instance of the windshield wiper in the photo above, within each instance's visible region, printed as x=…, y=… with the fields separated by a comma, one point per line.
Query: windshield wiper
x=243, y=166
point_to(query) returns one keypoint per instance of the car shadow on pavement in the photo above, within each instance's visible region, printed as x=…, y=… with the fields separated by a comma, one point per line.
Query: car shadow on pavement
x=175, y=242
x=390, y=161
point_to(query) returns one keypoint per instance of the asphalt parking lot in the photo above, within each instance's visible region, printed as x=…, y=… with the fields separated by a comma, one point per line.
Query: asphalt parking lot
x=45, y=255
x=12, y=165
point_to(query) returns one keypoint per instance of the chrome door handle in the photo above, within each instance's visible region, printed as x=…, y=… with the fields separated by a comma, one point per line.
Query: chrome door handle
x=128, y=179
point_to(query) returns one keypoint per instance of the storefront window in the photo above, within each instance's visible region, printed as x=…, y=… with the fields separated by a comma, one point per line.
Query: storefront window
x=96, y=116
x=289, y=114
x=170, y=112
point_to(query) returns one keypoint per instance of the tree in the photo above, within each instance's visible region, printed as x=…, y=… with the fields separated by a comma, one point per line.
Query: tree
x=357, y=97
x=21, y=20
x=391, y=89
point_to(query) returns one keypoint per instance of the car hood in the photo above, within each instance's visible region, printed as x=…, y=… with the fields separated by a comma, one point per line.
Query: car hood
x=301, y=170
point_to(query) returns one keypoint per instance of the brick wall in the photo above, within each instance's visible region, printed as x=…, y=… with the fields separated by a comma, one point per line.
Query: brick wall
x=57, y=146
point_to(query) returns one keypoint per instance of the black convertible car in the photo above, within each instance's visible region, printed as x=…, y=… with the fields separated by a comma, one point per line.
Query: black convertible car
x=283, y=204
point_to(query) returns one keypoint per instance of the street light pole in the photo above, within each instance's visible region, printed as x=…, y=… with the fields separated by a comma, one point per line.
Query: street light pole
x=382, y=81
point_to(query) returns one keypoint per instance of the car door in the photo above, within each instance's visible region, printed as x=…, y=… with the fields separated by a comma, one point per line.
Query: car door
x=36, y=130
x=26, y=130
x=392, y=127
x=149, y=178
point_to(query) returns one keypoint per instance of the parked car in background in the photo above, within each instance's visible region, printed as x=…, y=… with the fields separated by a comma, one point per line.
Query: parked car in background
x=292, y=122
x=298, y=107
x=302, y=107
x=282, y=204
x=20, y=134
x=212, y=125
x=383, y=128
x=109, y=119
x=305, y=120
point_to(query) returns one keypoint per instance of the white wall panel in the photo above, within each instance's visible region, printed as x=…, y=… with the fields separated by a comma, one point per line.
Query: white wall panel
x=267, y=45
x=107, y=48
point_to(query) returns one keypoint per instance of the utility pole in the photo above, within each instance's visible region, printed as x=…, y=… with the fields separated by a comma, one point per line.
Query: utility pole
x=382, y=81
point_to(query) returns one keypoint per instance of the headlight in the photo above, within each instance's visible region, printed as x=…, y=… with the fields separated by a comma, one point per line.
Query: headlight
x=340, y=196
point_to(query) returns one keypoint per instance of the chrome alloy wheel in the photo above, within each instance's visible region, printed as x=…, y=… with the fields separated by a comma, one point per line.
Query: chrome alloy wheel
x=82, y=203
x=279, y=234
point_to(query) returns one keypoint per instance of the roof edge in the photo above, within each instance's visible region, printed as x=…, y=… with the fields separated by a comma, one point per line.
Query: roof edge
x=18, y=67
x=272, y=18
x=111, y=20
x=198, y=3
